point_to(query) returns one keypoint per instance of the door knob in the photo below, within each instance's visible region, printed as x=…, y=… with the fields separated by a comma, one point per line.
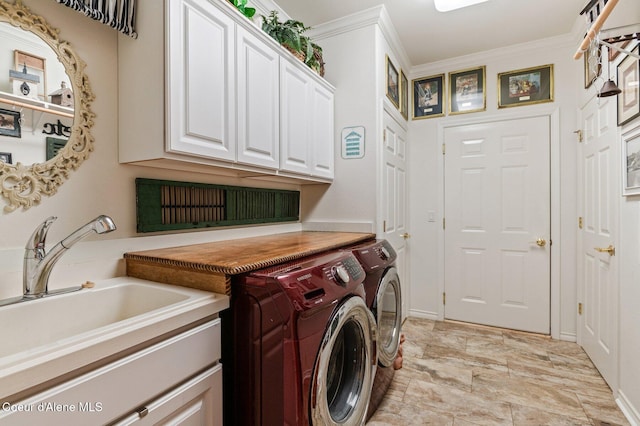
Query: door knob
x=541, y=242
x=406, y=235
x=611, y=250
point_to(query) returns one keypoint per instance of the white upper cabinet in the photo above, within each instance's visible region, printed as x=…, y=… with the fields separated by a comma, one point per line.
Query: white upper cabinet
x=258, y=101
x=295, y=116
x=306, y=114
x=205, y=89
x=322, y=131
x=200, y=80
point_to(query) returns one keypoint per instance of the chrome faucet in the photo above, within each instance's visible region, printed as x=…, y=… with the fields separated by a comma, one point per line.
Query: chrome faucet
x=38, y=263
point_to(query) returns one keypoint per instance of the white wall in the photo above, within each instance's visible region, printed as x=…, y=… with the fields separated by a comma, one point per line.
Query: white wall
x=101, y=185
x=352, y=197
x=426, y=166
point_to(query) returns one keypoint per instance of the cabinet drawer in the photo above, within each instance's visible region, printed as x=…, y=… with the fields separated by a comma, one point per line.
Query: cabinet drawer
x=109, y=392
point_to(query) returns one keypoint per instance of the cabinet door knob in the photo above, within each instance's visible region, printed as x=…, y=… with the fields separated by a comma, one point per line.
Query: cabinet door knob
x=406, y=235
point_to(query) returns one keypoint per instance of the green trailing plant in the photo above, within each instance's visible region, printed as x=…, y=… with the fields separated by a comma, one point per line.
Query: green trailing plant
x=241, y=5
x=290, y=34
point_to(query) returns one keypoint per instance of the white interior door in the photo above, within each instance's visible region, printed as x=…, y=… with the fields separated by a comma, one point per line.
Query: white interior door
x=597, y=271
x=394, y=199
x=497, y=229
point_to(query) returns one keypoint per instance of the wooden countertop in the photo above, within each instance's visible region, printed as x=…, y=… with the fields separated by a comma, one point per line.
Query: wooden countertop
x=209, y=266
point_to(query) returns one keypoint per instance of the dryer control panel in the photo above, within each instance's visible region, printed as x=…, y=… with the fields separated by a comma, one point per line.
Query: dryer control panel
x=316, y=280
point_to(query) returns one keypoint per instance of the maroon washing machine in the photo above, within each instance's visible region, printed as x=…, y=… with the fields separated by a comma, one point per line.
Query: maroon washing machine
x=384, y=298
x=299, y=344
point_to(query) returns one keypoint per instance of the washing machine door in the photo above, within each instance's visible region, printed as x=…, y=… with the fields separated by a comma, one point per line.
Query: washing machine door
x=388, y=308
x=345, y=366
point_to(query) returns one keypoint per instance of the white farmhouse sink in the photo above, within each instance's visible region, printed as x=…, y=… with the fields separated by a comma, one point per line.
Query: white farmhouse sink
x=50, y=337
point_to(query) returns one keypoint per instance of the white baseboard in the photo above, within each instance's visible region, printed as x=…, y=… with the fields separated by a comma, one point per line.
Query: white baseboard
x=569, y=337
x=423, y=314
x=629, y=411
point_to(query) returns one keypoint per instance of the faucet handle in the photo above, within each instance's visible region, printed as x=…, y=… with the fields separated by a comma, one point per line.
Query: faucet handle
x=37, y=240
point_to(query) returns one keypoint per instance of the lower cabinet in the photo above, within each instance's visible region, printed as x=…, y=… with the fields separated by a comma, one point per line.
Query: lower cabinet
x=197, y=402
x=176, y=381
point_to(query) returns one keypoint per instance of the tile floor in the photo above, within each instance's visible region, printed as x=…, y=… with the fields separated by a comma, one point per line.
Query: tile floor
x=460, y=374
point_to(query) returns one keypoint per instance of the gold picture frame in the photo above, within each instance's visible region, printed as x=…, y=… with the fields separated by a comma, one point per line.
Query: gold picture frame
x=467, y=91
x=428, y=97
x=404, y=95
x=525, y=86
x=393, y=89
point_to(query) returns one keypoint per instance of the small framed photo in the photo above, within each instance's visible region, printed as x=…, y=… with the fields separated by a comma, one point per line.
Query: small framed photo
x=393, y=90
x=6, y=157
x=525, y=87
x=34, y=65
x=428, y=97
x=10, y=123
x=592, y=66
x=629, y=98
x=467, y=91
x=404, y=95
x=631, y=162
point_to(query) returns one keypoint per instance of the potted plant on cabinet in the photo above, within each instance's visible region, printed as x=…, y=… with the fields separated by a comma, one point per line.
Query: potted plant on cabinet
x=290, y=34
x=241, y=5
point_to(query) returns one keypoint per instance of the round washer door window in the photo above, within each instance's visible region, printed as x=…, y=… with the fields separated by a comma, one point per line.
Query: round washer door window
x=343, y=372
x=388, y=317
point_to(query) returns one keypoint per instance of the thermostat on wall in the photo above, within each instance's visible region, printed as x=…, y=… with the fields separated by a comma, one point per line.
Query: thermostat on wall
x=353, y=142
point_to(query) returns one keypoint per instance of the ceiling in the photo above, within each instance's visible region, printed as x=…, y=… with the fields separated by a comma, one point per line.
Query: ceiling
x=428, y=35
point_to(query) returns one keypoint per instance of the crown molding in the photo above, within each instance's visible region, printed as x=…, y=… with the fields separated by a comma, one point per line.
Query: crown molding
x=376, y=15
x=567, y=41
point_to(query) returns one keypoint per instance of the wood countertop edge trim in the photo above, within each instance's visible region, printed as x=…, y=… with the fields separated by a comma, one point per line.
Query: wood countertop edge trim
x=229, y=270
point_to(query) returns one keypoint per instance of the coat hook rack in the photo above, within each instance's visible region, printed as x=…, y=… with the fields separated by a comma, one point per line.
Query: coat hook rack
x=625, y=33
x=595, y=28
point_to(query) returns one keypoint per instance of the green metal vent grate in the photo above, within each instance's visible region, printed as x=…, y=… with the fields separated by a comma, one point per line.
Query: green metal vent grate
x=168, y=205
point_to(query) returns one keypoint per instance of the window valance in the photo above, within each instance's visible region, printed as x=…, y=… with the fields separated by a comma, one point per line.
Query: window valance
x=118, y=14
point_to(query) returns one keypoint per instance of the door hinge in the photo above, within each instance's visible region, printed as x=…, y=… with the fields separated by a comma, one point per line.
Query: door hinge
x=444, y=223
x=444, y=298
x=444, y=149
x=580, y=222
x=384, y=135
x=579, y=308
x=384, y=226
x=579, y=133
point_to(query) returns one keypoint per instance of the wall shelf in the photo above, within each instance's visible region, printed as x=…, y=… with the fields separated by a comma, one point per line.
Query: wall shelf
x=36, y=105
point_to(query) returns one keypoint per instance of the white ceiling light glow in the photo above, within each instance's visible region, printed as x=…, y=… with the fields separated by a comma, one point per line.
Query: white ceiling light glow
x=448, y=5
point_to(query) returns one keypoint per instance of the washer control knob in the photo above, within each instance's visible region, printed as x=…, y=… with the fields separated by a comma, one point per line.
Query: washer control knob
x=384, y=253
x=341, y=274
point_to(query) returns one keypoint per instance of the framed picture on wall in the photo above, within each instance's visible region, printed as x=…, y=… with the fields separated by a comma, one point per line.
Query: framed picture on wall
x=6, y=157
x=404, y=95
x=428, y=97
x=525, y=87
x=10, y=123
x=592, y=66
x=393, y=78
x=631, y=162
x=629, y=98
x=467, y=91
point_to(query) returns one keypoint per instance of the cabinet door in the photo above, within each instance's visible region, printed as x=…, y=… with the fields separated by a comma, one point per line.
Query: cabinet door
x=258, y=101
x=295, y=112
x=196, y=402
x=201, y=80
x=322, y=132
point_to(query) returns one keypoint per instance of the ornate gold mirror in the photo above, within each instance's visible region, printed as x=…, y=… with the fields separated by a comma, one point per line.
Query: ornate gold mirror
x=23, y=184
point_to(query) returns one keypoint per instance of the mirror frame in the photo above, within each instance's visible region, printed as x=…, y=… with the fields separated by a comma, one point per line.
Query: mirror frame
x=24, y=185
